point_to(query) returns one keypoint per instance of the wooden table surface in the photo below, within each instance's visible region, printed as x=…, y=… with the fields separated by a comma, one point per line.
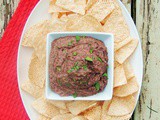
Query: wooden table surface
x=146, y=15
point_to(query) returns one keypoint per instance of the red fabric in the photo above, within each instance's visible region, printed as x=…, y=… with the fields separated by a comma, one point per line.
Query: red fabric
x=11, y=107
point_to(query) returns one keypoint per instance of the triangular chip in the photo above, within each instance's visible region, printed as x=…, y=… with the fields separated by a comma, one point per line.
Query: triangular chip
x=127, y=89
x=29, y=36
x=77, y=6
x=41, y=117
x=55, y=9
x=59, y=104
x=36, y=71
x=119, y=76
x=45, y=108
x=40, y=39
x=108, y=117
x=55, y=16
x=101, y=9
x=105, y=107
x=63, y=111
x=128, y=70
x=122, y=54
x=122, y=43
x=63, y=117
x=78, y=107
x=79, y=118
x=115, y=24
x=121, y=106
x=90, y=3
x=88, y=24
x=32, y=89
x=94, y=114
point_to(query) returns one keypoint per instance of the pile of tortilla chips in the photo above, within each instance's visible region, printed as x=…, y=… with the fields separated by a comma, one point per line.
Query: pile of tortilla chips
x=92, y=16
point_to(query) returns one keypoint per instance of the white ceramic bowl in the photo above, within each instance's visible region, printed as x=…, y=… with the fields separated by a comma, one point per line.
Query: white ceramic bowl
x=108, y=40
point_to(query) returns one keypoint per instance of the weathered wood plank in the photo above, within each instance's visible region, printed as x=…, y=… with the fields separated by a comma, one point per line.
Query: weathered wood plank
x=148, y=24
x=7, y=8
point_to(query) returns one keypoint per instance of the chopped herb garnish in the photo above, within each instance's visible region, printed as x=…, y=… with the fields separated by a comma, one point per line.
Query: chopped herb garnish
x=76, y=63
x=74, y=95
x=105, y=75
x=91, y=50
x=71, y=70
x=97, y=86
x=89, y=59
x=58, y=68
x=85, y=67
x=59, y=82
x=70, y=43
x=84, y=36
x=99, y=59
x=74, y=53
x=78, y=38
x=77, y=67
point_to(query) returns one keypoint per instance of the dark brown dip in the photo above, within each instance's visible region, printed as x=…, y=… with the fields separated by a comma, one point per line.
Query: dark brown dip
x=78, y=66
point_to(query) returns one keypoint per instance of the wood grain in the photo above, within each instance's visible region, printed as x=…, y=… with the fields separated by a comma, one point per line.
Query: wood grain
x=146, y=14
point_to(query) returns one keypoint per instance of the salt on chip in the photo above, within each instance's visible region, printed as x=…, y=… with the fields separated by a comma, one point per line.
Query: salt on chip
x=32, y=89
x=54, y=8
x=122, y=43
x=40, y=39
x=63, y=117
x=90, y=3
x=116, y=24
x=45, y=108
x=59, y=104
x=121, y=106
x=77, y=6
x=101, y=9
x=29, y=36
x=77, y=107
x=119, y=76
x=126, y=51
x=79, y=118
x=128, y=70
x=41, y=117
x=36, y=72
x=63, y=111
x=94, y=114
x=86, y=23
x=108, y=117
x=127, y=89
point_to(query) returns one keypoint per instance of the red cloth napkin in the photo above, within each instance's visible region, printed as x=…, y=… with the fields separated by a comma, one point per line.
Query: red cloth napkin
x=11, y=107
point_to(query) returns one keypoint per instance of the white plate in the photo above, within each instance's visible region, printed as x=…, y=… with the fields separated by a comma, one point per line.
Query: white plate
x=24, y=54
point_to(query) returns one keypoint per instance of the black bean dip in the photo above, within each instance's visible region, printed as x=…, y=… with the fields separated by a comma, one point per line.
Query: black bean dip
x=78, y=66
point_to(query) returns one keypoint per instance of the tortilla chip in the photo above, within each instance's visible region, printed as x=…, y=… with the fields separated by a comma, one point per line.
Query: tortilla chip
x=63, y=117
x=77, y=107
x=105, y=107
x=108, y=117
x=59, y=104
x=94, y=114
x=125, y=52
x=101, y=9
x=90, y=3
x=54, y=8
x=88, y=24
x=77, y=6
x=64, y=18
x=29, y=36
x=119, y=76
x=63, y=111
x=122, y=43
x=55, y=16
x=32, y=89
x=45, y=108
x=116, y=24
x=41, y=117
x=128, y=70
x=36, y=71
x=116, y=64
x=128, y=89
x=121, y=106
x=40, y=39
x=79, y=118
